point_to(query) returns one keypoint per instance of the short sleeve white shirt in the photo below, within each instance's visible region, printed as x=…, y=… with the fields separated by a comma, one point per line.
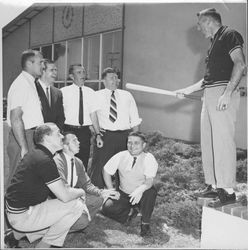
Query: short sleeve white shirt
x=71, y=104
x=23, y=94
x=146, y=166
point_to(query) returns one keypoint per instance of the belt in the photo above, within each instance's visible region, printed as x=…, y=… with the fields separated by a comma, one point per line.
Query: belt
x=117, y=131
x=33, y=128
x=75, y=127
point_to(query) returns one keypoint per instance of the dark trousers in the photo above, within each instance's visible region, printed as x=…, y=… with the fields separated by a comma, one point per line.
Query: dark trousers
x=114, y=142
x=83, y=134
x=119, y=209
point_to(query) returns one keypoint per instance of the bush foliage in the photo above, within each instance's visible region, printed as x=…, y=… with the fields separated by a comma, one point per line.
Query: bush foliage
x=180, y=175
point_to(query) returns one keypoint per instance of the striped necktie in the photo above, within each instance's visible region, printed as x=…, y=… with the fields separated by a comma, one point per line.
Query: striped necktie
x=113, y=108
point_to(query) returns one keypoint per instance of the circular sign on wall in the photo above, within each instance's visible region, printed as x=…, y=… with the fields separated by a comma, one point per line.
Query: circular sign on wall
x=67, y=16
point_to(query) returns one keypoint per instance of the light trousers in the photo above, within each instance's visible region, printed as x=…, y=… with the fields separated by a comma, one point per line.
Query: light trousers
x=218, y=138
x=53, y=218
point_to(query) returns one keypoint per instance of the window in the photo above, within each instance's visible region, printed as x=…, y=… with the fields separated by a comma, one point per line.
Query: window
x=111, y=51
x=74, y=53
x=91, y=57
x=95, y=53
x=47, y=52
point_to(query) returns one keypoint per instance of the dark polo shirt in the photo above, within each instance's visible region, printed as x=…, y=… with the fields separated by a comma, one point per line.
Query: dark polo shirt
x=219, y=64
x=28, y=186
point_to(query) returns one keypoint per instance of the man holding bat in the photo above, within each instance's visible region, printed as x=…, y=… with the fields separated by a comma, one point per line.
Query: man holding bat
x=225, y=66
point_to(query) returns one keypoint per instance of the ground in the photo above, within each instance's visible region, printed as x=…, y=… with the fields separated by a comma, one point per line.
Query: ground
x=106, y=233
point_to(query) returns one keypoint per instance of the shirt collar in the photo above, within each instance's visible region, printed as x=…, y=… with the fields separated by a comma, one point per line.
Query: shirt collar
x=137, y=156
x=76, y=86
x=29, y=76
x=219, y=32
x=44, y=86
x=68, y=157
x=45, y=150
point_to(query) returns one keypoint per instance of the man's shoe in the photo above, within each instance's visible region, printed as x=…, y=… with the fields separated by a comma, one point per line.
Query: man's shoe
x=145, y=230
x=208, y=192
x=224, y=198
x=53, y=246
x=10, y=240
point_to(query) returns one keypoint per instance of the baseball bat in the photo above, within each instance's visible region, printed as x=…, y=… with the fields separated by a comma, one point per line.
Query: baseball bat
x=157, y=91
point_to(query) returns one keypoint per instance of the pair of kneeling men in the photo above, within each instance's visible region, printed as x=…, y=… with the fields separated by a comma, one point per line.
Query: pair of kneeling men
x=31, y=213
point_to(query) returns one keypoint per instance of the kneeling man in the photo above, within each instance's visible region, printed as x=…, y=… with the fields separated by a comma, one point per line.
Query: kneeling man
x=29, y=210
x=137, y=170
x=73, y=173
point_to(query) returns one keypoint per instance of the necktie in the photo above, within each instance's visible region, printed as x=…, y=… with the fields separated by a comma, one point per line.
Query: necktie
x=72, y=168
x=48, y=96
x=113, y=108
x=134, y=161
x=81, y=107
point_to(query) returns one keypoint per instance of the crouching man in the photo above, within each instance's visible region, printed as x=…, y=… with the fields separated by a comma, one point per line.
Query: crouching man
x=137, y=170
x=28, y=209
x=72, y=172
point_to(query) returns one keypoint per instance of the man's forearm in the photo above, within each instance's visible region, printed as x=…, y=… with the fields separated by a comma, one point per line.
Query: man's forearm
x=95, y=122
x=108, y=180
x=237, y=73
x=19, y=133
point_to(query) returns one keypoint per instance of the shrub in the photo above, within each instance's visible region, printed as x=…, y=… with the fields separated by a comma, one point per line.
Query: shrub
x=241, y=171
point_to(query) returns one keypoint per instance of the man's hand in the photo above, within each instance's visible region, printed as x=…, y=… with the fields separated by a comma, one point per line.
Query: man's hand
x=223, y=102
x=135, y=196
x=110, y=193
x=23, y=152
x=99, y=141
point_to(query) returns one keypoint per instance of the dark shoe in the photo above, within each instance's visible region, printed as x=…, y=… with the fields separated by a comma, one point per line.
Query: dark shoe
x=145, y=230
x=224, y=198
x=10, y=240
x=53, y=246
x=208, y=192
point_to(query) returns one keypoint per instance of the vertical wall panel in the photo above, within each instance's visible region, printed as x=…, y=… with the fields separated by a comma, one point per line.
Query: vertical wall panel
x=41, y=28
x=99, y=18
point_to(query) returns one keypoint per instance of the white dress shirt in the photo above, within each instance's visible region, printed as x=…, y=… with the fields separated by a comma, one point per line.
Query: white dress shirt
x=127, y=112
x=23, y=94
x=71, y=104
x=75, y=176
x=146, y=166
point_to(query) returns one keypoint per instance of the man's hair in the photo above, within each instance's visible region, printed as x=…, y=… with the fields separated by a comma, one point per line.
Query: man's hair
x=106, y=71
x=65, y=134
x=139, y=134
x=210, y=13
x=71, y=68
x=28, y=55
x=42, y=130
x=46, y=62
